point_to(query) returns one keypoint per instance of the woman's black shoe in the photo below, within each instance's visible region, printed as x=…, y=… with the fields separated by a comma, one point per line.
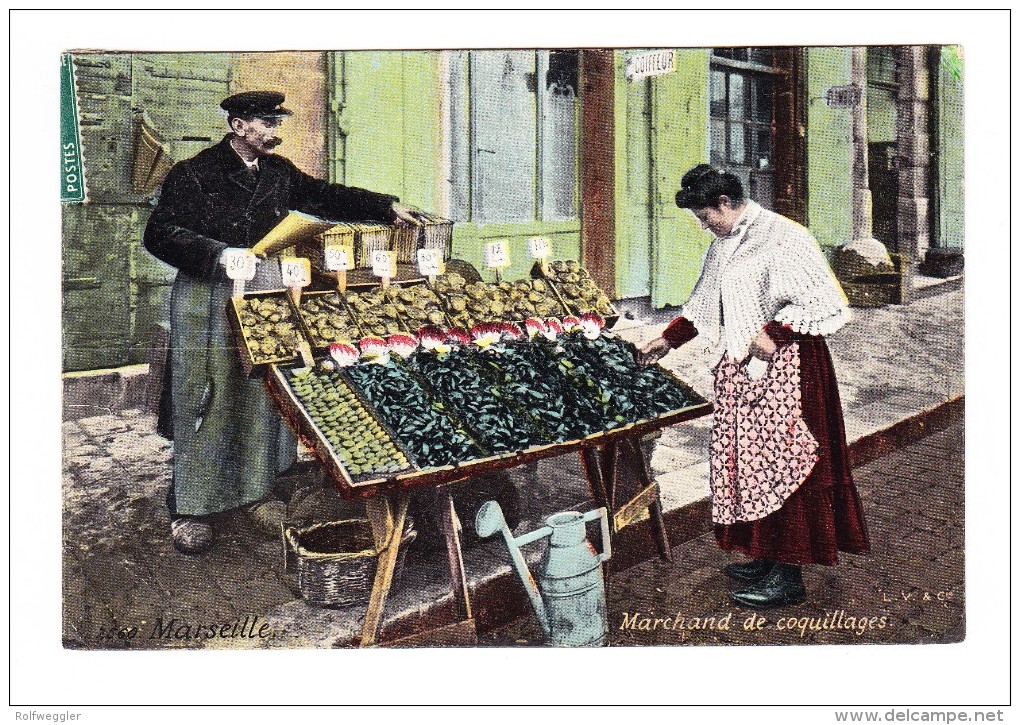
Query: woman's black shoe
x=751, y=571
x=783, y=585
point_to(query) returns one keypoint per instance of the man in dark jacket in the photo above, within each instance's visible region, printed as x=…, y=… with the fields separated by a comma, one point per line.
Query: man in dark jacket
x=229, y=444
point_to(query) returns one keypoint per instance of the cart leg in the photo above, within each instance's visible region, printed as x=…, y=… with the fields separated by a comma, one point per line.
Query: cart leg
x=383, y=516
x=454, y=555
x=590, y=461
x=655, y=507
x=610, y=469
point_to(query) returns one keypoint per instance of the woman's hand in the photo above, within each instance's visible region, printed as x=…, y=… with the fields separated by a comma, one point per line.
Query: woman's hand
x=762, y=346
x=653, y=351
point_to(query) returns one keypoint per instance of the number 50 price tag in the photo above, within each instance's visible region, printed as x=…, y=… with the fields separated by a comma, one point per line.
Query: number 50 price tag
x=339, y=257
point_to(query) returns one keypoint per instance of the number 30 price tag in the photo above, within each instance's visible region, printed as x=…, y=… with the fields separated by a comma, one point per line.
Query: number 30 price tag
x=240, y=264
x=296, y=272
x=384, y=264
x=339, y=257
x=430, y=262
x=497, y=254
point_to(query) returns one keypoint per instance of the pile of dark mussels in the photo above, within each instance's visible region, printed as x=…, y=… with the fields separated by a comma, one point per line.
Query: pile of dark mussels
x=418, y=421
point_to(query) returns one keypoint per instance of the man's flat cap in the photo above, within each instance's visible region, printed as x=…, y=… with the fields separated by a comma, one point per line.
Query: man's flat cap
x=255, y=104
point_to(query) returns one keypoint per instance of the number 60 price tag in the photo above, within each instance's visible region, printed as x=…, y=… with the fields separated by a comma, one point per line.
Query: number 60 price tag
x=430, y=262
x=384, y=264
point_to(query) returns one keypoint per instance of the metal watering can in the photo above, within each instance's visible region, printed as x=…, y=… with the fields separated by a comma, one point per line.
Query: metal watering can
x=569, y=597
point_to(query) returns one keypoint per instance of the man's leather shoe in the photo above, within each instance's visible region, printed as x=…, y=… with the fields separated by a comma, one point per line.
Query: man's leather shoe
x=751, y=571
x=783, y=585
x=191, y=535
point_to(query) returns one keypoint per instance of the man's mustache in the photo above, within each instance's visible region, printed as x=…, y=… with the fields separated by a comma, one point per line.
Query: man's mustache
x=273, y=143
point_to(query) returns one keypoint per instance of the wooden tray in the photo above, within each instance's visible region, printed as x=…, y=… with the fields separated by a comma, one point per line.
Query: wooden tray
x=254, y=364
x=554, y=279
x=311, y=331
x=300, y=421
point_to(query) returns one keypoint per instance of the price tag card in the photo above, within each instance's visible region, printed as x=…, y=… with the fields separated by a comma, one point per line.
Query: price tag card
x=240, y=264
x=339, y=257
x=538, y=247
x=430, y=262
x=296, y=272
x=384, y=264
x=497, y=254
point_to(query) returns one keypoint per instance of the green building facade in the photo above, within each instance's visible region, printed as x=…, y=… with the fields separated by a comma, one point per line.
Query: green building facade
x=509, y=144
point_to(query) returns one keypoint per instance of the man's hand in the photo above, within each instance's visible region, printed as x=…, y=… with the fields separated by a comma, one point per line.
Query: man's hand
x=403, y=214
x=653, y=351
x=762, y=346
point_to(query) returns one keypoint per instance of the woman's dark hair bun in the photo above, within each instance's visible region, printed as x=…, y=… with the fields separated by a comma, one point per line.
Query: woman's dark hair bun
x=704, y=184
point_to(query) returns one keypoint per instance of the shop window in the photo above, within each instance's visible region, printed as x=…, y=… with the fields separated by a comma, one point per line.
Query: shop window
x=513, y=135
x=742, y=89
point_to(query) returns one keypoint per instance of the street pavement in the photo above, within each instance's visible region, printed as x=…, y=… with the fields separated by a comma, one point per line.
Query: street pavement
x=123, y=582
x=908, y=589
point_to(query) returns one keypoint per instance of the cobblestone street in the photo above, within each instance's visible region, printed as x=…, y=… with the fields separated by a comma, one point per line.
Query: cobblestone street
x=913, y=577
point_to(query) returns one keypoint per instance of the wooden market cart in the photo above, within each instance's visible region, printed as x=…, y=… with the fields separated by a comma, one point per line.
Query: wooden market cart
x=603, y=455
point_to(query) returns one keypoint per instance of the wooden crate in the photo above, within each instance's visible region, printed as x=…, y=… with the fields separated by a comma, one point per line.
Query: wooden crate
x=569, y=304
x=252, y=362
x=312, y=328
x=301, y=422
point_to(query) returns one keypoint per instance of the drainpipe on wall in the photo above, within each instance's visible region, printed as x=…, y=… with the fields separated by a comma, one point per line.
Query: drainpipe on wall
x=863, y=242
x=863, y=265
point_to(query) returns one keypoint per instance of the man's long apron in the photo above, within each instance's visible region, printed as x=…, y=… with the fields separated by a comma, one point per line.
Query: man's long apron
x=240, y=444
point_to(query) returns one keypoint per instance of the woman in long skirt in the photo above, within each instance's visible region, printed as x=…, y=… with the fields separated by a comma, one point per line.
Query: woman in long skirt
x=782, y=492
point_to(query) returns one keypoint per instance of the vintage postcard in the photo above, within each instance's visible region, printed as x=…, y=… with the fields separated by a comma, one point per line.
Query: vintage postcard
x=598, y=346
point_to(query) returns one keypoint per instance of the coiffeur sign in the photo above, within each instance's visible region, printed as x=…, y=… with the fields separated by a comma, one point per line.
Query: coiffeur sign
x=652, y=63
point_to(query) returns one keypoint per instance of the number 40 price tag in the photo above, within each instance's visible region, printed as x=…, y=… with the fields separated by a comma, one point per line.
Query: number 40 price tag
x=296, y=272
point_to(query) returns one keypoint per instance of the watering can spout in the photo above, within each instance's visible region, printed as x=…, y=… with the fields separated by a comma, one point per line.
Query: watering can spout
x=569, y=596
x=489, y=521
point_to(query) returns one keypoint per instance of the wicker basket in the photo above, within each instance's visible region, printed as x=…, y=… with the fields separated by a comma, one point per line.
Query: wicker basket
x=336, y=561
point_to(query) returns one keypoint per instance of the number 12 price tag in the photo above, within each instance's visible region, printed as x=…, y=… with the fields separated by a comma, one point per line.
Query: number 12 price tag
x=430, y=262
x=384, y=264
x=296, y=272
x=339, y=257
x=497, y=254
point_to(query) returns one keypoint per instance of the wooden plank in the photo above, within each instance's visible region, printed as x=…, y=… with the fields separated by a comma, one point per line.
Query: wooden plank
x=380, y=516
x=635, y=507
x=458, y=634
x=655, y=509
x=454, y=554
x=593, y=473
x=384, y=573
